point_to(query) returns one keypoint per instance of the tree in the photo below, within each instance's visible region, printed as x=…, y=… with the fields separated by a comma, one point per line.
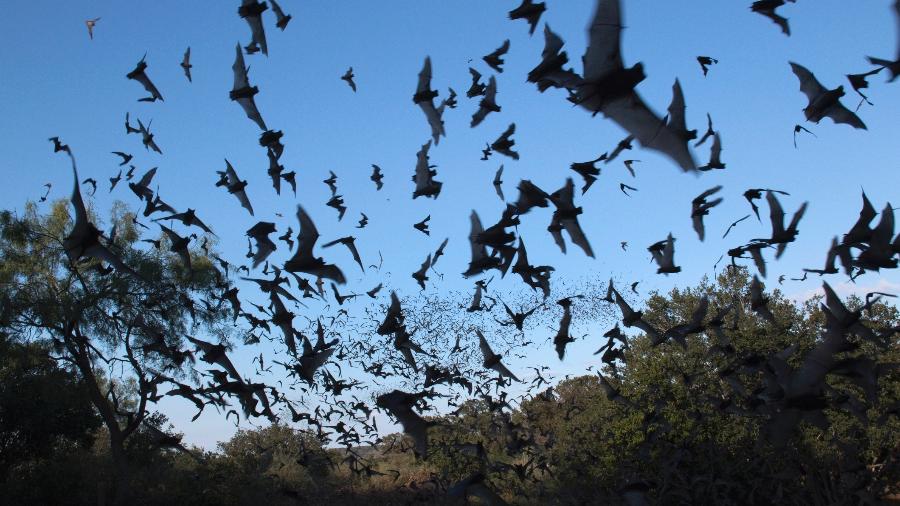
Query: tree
x=111, y=327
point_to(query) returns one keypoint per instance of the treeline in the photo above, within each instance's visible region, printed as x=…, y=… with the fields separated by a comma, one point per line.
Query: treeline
x=659, y=424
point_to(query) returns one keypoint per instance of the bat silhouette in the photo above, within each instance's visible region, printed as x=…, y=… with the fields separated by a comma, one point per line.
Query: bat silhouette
x=781, y=235
x=588, y=171
x=350, y=243
x=139, y=75
x=609, y=87
x=331, y=181
x=550, y=72
x=281, y=19
x=91, y=23
x=733, y=225
x=498, y=182
x=348, y=77
x=363, y=221
x=179, y=245
x=264, y=246
x=125, y=157
x=422, y=226
x=241, y=91
x=424, y=98
x=797, y=130
x=492, y=360
x=663, y=253
x=705, y=62
x=495, y=60
x=822, y=102
x=84, y=238
x=756, y=193
x=858, y=82
x=251, y=12
x=421, y=275
x=488, y=103
x=426, y=185
x=147, y=137
x=768, y=9
x=186, y=64
x=304, y=260
x=504, y=144
x=230, y=180
x=565, y=217
x=188, y=218
x=377, y=177
x=476, y=88
x=439, y=252
x=715, y=155
x=709, y=131
x=530, y=12
x=128, y=128
x=700, y=208
x=337, y=203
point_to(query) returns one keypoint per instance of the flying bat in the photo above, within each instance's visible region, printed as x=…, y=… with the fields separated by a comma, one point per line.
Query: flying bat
x=530, y=12
x=251, y=12
x=281, y=19
x=822, y=102
x=609, y=87
x=495, y=60
x=230, y=180
x=242, y=93
x=139, y=75
x=186, y=64
x=424, y=98
x=304, y=260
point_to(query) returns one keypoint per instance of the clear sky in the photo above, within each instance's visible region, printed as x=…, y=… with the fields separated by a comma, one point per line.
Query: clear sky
x=58, y=82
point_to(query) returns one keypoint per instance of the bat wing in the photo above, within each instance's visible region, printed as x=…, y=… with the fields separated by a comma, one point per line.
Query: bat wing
x=779, y=20
x=149, y=86
x=576, y=234
x=809, y=85
x=697, y=222
x=776, y=214
x=308, y=235
x=603, y=55
x=632, y=114
x=249, y=106
x=677, y=107
x=840, y=114
x=240, y=70
x=486, y=350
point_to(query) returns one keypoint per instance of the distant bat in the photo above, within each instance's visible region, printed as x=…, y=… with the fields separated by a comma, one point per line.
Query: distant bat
x=348, y=77
x=186, y=64
x=705, y=62
x=91, y=23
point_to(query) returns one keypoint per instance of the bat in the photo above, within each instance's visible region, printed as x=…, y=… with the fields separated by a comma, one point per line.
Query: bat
x=139, y=75
x=822, y=102
x=242, y=93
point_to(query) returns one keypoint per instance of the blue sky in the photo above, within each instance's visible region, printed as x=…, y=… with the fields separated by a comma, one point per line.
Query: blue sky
x=58, y=82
